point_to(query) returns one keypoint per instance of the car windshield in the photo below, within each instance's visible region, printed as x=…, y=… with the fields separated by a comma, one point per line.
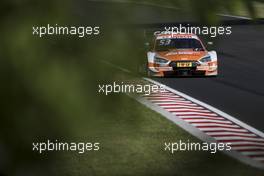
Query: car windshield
x=178, y=43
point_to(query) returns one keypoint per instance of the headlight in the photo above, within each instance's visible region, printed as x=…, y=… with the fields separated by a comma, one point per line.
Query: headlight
x=206, y=59
x=160, y=60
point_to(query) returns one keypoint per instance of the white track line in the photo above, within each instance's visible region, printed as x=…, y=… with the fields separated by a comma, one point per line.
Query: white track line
x=235, y=16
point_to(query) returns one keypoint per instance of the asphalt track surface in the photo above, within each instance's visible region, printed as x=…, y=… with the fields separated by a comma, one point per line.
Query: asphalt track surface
x=239, y=88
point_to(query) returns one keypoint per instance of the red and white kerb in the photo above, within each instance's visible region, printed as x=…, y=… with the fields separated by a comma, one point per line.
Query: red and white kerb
x=212, y=124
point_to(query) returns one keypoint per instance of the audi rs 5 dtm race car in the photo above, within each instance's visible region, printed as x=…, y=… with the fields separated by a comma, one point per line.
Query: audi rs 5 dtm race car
x=180, y=55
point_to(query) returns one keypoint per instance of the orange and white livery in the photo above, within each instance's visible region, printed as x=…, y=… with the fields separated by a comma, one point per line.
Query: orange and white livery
x=180, y=55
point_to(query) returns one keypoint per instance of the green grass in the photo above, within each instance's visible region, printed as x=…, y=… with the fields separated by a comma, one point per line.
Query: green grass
x=132, y=143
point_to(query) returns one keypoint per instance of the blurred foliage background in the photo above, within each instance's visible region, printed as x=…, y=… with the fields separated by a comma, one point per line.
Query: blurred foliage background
x=49, y=85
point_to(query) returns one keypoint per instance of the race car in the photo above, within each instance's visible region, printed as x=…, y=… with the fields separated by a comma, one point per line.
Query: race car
x=180, y=54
